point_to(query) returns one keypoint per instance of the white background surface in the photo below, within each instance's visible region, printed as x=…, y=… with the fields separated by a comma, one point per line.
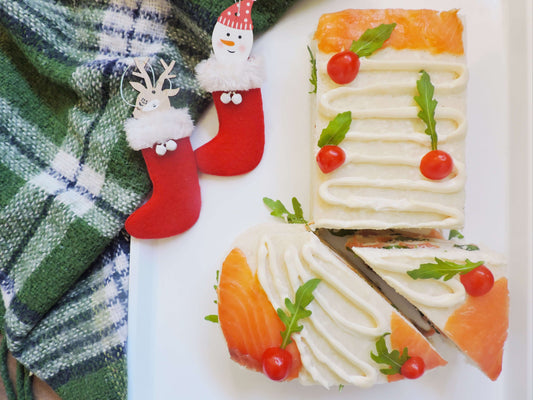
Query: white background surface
x=175, y=354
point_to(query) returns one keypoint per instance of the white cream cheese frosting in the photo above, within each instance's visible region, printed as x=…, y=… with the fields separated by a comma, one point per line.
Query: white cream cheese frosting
x=380, y=186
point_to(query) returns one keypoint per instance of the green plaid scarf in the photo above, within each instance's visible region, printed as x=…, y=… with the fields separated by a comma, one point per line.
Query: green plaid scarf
x=68, y=180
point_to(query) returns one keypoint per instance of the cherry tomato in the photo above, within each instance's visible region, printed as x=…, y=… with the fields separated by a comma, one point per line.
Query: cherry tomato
x=277, y=363
x=413, y=368
x=478, y=282
x=329, y=158
x=436, y=165
x=343, y=67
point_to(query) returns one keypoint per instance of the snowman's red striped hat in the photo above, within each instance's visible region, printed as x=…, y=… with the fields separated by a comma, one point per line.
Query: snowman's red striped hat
x=238, y=15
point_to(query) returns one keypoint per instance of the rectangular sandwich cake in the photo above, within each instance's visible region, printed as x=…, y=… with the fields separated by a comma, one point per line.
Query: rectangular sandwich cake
x=373, y=116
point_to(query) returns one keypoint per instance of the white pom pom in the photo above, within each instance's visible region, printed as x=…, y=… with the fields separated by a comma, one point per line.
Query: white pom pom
x=160, y=149
x=225, y=98
x=171, y=145
x=236, y=99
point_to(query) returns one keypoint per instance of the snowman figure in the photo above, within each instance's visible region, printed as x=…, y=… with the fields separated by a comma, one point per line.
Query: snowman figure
x=234, y=79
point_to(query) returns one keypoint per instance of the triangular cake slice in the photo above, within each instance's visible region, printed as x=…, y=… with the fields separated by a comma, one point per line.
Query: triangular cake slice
x=266, y=266
x=420, y=269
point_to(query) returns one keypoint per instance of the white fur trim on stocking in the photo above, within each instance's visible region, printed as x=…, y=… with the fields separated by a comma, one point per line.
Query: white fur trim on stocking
x=216, y=76
x=158, y=127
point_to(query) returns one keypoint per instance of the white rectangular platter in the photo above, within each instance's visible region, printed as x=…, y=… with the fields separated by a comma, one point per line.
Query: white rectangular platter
x=174, y=353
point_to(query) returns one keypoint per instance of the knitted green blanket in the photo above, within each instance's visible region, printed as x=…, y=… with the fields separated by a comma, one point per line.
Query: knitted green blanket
x=68, y=180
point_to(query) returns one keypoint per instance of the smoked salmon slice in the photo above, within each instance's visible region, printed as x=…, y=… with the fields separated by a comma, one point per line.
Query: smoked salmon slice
x=248, y=321
x=404, y=335
x=479, y=328
x=442, y=30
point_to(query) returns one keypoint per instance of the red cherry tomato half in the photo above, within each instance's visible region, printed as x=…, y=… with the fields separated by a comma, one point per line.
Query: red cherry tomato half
x=277, y=363
x=329, y=158
x=343, y=67
x=478, y=282
x=413, y=368
x=436, y=165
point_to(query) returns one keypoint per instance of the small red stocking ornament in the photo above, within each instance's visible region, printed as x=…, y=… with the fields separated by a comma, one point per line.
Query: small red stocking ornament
x=162, y=133
x=238, y=146
x=234, y=80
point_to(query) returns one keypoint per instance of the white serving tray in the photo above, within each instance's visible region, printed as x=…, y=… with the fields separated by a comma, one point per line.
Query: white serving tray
x=173, y=353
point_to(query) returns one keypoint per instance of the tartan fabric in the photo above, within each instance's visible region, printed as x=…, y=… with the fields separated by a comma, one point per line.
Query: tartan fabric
x=68, y=180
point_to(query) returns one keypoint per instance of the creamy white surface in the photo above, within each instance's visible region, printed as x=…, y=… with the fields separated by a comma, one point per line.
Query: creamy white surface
x=436, y=299
x=348, y=316
x=380, y=185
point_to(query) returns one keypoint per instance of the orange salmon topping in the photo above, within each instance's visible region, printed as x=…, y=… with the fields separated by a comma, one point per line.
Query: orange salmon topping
x=247, y=319
x=434, y=31
x=479, y=328
x=404, y=335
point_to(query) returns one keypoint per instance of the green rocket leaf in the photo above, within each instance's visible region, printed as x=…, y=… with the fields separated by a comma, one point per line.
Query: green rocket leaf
x=372, y=40
x=297, y=311
x=441, y=268
x=427, y=106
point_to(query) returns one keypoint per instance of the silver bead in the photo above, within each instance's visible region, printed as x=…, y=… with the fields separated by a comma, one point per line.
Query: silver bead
x=225, y=98
x=236, y=98
x=160, y=149
x=171, y=145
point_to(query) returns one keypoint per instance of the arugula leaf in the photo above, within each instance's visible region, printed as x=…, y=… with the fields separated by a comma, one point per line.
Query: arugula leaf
x=454, y=233
x=372, y=40
x=468, y=247
x=297, y=311
x=336, y=130
x=212, y=318
x=280, y=211
x=395, y=246
x=427, y=106
x=313, y=79
x=393, y=359
x=446, y=269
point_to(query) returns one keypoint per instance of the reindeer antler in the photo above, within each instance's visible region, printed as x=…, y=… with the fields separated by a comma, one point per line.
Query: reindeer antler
x=143, y=73
x=165, y=75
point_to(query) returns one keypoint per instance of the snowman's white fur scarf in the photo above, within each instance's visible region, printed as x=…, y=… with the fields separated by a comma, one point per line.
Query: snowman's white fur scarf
x=158, y=127
x=216, y=76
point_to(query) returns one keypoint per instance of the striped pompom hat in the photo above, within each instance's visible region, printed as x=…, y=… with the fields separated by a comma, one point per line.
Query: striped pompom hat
x=238, y=15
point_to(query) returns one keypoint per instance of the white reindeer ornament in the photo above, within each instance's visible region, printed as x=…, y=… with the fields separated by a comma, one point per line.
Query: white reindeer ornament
x=162, y=133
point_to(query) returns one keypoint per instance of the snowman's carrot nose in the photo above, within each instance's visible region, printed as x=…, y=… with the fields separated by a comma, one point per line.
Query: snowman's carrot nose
x=227, y=42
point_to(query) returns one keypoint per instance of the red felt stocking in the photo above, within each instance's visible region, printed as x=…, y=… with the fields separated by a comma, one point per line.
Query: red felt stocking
x=175, y=203
x=238, y=146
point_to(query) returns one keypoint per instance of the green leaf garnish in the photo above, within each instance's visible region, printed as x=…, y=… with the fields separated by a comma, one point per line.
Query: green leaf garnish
x=297, y=310
x=393, y=359
x=427, y=106
x=212, y=318
x=280, y=211
x=313, y=79
x=441, y=268
x=372, y=40
x=336, y=130
x=455, y=234
x=468, y=247
x=341, y=386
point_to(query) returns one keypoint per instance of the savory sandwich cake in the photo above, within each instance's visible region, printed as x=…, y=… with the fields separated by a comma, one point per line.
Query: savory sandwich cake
x=460, y=288
x=281, y=278
x=346, y=302
x=369, y=138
